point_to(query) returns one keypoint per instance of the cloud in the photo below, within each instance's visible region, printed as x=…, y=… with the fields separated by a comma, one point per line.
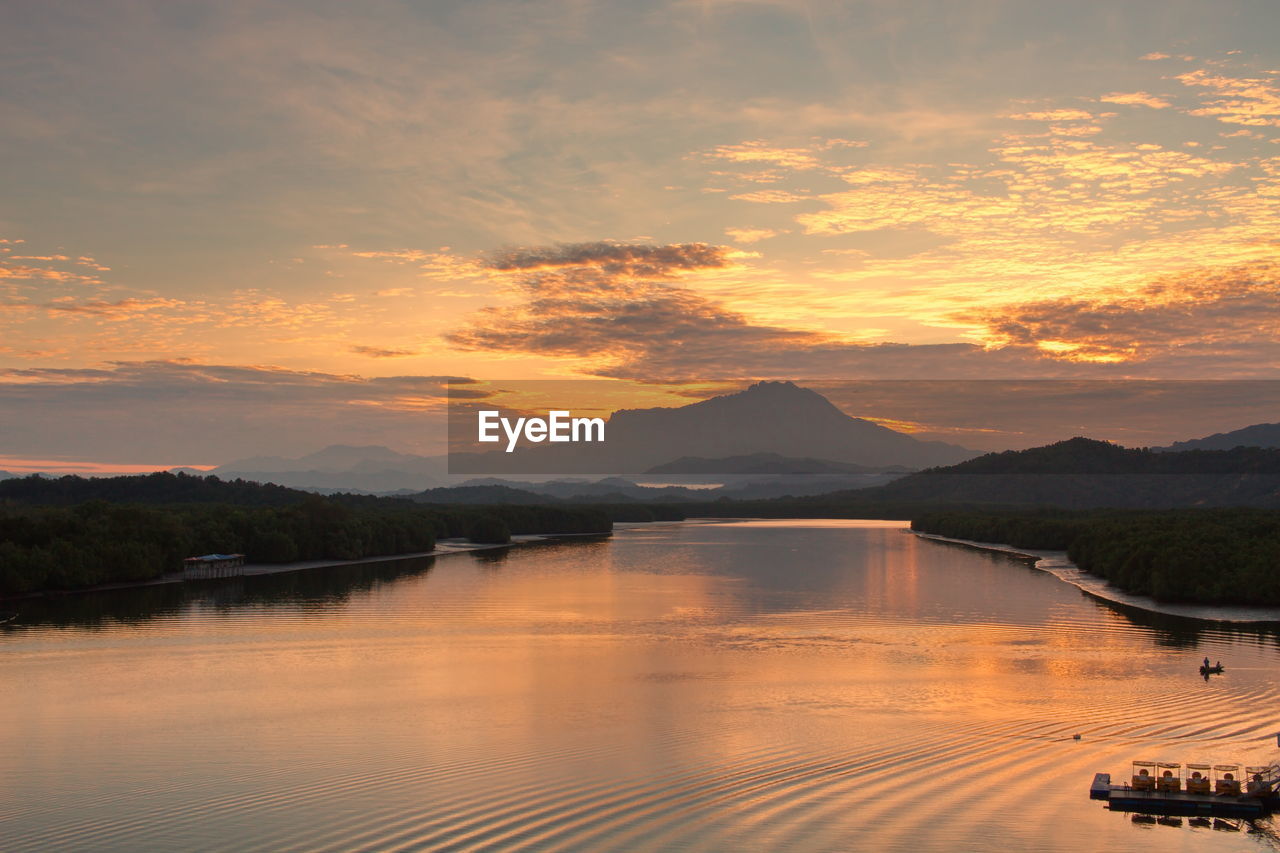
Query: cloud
x=1250, y=101
x=612, y=320
x=121, y=309
x=376, y=352
x=200, y=413
x=750, y=235
x=1136, y=99
x=612, y=303
x=770, y=197
x=758, y=151
x=1054, y=115
x=1226, y=317
x=612, y=258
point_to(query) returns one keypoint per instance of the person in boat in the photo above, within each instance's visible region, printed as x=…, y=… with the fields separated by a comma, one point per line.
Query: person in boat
x=1206, y=662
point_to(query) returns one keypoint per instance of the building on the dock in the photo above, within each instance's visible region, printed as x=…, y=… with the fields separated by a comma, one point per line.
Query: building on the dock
x=1158, y=788
x=213, y=566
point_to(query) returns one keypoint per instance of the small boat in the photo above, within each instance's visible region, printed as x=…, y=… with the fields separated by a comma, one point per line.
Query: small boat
x=7, y=616
x=1216, y=669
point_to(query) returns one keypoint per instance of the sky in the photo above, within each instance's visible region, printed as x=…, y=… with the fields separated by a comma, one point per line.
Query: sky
x=242, y=228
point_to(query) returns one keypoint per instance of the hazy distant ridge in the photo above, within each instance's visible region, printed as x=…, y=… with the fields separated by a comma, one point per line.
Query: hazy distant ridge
x=1258, y=435
x=1082, y=472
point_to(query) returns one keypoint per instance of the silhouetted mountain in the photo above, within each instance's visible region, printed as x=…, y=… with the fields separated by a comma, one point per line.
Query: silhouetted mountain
x=1258, y=435
x=1082, y=472
x=340, y=467
x=762, y=463
x=768, y=417
x=5, y=475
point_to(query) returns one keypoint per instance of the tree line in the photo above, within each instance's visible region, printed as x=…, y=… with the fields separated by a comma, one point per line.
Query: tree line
x=1209, y=556
x=97, y=541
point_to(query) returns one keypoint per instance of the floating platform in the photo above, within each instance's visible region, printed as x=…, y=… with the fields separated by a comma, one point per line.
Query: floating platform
x=1123, y=798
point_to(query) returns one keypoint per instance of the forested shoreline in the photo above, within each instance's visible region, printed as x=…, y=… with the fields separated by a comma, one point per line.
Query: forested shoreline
x=74, y=532
x=1200, y=556
x=130, y=529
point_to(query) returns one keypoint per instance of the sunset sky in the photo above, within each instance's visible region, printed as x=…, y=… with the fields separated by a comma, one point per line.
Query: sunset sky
x=233, y=228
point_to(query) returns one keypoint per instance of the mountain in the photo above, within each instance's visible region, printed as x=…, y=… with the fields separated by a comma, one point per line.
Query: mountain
x=768, y=417
x=370, y=468
x=1258, y=435
x=5, y=475
x=1082, y=473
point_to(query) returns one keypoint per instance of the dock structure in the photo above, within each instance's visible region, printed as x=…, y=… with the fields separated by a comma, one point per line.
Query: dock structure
x=213, y=566
x=1158, y=788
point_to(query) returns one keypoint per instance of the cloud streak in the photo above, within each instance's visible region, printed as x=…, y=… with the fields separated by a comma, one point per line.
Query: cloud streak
x=611, y=320
x=200, y=413
x=1223, y=316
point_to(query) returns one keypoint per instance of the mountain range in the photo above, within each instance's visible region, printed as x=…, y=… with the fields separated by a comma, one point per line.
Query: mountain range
x=1084, y=473
x=1258, y=435
x=370, y=468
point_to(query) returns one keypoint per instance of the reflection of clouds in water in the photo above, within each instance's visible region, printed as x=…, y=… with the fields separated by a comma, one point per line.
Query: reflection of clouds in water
x=460, y=704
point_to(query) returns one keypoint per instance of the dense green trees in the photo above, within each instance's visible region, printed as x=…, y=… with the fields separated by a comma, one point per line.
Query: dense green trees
x=98, y=542
x=1218, y=556
x=488, y=530
x=43, y=547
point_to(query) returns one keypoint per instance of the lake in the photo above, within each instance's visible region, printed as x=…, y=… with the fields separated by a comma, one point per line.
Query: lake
x=757, y=686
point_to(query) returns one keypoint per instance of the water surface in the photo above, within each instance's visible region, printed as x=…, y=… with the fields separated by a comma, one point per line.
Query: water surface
x=763, y=686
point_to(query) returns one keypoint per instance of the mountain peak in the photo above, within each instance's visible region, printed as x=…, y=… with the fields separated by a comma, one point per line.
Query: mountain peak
x=774, y=385
x=781, y=389
x=773, y=396
x=778, y=417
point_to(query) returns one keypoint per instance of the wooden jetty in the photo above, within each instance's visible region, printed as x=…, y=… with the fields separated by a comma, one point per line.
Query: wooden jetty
x=1159, y=788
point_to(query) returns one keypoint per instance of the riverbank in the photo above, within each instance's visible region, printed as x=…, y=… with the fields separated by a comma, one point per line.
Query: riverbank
x=1057, y=564
x=444, y=548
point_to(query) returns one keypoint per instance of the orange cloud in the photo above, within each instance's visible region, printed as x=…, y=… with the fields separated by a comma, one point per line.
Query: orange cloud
x=616, y=322
x=378, y=352
x=1136, y=99
x=750, y=235
x=1241, y=100
x=769, y=197
x=758, y=151
x=1054, y=115
x=1227, y=314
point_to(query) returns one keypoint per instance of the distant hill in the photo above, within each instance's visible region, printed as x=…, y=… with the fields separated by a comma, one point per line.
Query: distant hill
x=340, y=467
x=490, y=495
x=778, y=418
x=1082, y=473
x=614, y=490
x=762, y=463
x=1258, y=435
x=5, y=475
